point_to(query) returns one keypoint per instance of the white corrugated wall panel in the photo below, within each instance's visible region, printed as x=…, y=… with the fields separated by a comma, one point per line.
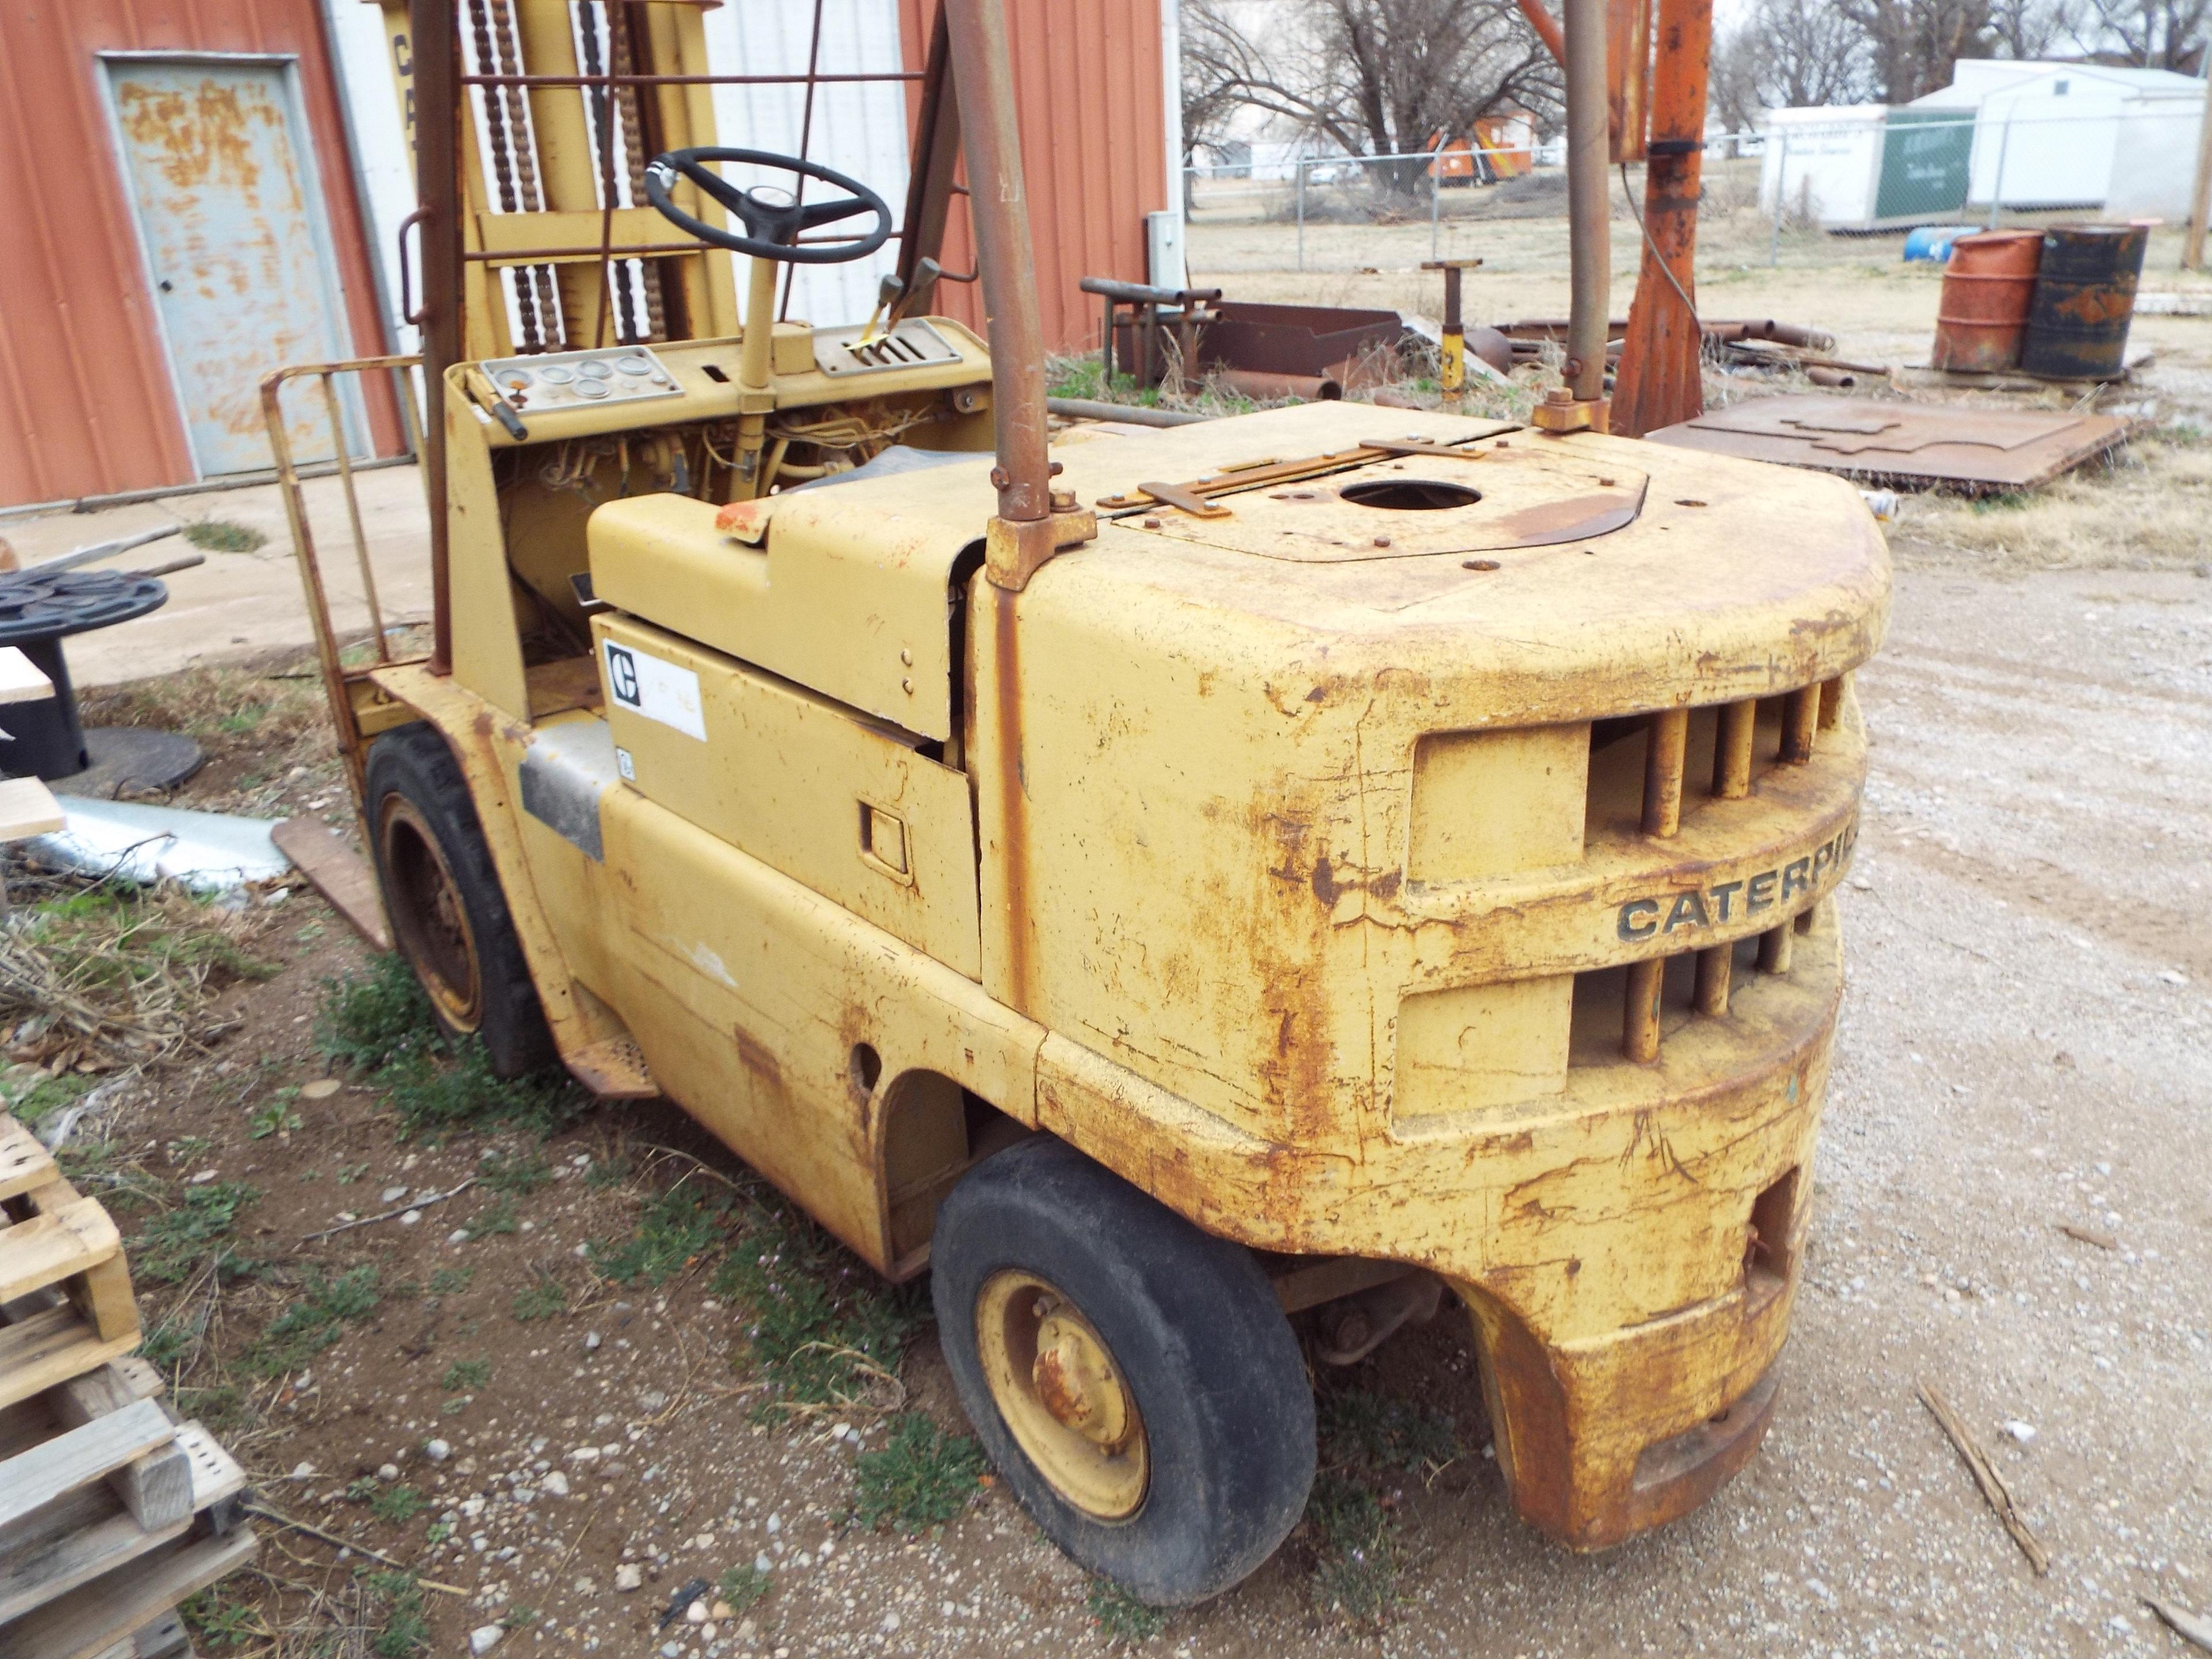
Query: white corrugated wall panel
x=859, y=128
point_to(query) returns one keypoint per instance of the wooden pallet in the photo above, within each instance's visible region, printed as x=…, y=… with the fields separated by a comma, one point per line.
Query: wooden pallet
x=111, y=1511
x=64, y=1288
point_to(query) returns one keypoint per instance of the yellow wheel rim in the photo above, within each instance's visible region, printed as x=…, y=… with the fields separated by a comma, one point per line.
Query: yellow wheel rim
x=1057, y=1385
x=427, y=913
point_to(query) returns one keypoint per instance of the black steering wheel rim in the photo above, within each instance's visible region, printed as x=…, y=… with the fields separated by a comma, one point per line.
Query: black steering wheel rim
x=774, y=227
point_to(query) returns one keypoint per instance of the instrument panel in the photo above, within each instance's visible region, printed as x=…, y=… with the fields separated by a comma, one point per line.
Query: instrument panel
x=579, y=380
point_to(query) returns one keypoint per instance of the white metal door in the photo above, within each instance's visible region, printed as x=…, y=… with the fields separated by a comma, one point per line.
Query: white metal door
x=220, y=173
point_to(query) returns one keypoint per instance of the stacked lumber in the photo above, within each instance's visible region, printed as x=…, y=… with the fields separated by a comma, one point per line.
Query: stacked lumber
x=111, y=1511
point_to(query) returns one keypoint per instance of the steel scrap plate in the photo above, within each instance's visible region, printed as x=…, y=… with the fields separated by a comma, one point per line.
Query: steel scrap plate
x=1955, y=444
x=1527, y=497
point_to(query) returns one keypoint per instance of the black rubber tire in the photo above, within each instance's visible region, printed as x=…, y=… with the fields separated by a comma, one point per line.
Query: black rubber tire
x=1197, y=1332
x=414, y=762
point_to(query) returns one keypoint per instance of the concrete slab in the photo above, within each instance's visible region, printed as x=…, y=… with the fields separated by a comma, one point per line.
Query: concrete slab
x=239, y=605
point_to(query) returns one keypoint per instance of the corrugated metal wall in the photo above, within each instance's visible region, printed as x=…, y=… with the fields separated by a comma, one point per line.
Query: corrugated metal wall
x=859, y=128
x=1087, y=77
x=86, y=404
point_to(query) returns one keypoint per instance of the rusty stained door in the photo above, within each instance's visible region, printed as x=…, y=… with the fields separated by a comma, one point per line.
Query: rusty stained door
x=215, y=158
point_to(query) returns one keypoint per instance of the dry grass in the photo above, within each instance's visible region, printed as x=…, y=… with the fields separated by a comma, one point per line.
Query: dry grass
x=2144, y=508
x=112, y=976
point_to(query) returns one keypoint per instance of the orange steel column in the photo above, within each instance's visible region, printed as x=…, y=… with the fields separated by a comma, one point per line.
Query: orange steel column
x=1658, y=382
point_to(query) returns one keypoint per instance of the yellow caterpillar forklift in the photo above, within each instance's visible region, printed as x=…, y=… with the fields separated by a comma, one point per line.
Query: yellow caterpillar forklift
x=1209, y=897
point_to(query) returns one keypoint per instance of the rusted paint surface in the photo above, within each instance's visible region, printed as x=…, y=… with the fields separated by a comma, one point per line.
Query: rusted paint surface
x=1087, y=82
x=1659, y=379
x=226, y=218
x=2085, y=299
x=87, y=403
x=1915, y=445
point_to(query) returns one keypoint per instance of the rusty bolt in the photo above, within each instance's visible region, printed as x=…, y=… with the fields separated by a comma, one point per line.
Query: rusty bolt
x=1152, y=524
x=998, y=478
x=1381, y=541
x=1053, y=469
x=1063, y=500
x=1559, y=396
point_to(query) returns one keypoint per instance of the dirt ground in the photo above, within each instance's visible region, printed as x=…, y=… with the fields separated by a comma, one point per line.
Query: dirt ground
x=2021, y=1051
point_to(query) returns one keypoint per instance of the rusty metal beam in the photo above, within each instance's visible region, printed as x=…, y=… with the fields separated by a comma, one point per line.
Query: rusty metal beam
x=1546, y=27
x=438, y=115
x=976, y=38
x=1660, y=381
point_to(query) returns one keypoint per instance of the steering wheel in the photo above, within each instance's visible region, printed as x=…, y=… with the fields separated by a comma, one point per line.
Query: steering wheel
x=772, y=216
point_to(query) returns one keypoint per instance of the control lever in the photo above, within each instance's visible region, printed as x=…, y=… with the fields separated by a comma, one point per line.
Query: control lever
x=926, y=273
x=887, y=294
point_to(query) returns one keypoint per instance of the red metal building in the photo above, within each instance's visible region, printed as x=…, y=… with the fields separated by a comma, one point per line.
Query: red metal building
x=196, y=191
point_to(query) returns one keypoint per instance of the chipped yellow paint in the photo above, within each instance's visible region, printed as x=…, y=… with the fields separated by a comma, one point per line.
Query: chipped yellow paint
x=1288, y=857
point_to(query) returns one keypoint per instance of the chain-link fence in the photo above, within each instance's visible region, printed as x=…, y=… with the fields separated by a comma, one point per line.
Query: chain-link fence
x=1847, y=170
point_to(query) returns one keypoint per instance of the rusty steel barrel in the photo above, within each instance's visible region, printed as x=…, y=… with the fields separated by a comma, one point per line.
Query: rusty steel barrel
x=2085, y=298
x=1987, y=288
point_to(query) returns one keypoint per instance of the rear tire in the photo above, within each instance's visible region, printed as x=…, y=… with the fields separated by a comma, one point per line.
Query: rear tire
x=1133, y=1378
x=449, y=915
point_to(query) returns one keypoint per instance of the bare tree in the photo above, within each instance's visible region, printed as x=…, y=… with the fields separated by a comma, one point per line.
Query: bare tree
x=1385, y=77
x=2169, y=34
x=1787, y=54
x=1914, y=43
x=2029, y=29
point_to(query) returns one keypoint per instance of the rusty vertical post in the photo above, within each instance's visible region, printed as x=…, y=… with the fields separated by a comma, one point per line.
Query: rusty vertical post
x=1452, y=349
x=438, y=107
x=1659, y=381
x=1801, y=718
x=1639, y=1025
x=1663, y=772
x=1715, y=965
x=982, y=73
x=1732, y=750
x=1831, y=702
x=1033, y=520
x=1589, y=204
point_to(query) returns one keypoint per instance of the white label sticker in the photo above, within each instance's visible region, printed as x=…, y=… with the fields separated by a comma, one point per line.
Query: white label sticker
x=626, y=766
x=657, y=690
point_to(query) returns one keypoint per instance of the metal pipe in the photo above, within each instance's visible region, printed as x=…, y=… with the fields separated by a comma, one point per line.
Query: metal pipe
x=1732, y=750
x=1091, y=409
x=438, y=103
x=1639, y=1025
x=353, y=514
x=1715, y=965
x=686, y=79
x=1801, y=717
x=1546, y=27
x=1831, y=702
x=976, y=30
x=1663, y=772
x=1781, y=184
x=1589, y=204
x=1774, y=948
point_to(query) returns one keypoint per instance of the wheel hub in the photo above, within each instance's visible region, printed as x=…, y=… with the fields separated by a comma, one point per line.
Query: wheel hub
x=1077, y=1383
x=1061, y=1394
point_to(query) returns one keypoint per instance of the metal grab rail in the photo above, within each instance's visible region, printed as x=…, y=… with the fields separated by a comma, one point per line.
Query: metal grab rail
x=327, y=650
